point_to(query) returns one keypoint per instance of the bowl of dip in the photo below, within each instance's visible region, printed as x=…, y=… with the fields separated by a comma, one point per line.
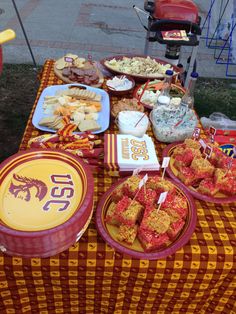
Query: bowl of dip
x=120, y=85
x=134, y=123
x=171, y=124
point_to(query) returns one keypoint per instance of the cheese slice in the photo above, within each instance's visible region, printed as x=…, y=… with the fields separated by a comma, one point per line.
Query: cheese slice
x=89, y=125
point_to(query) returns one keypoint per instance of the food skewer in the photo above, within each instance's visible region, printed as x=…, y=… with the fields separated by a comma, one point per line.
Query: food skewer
x=164, y=165
x=161, y=199
x=140, y=120
x=141, y=184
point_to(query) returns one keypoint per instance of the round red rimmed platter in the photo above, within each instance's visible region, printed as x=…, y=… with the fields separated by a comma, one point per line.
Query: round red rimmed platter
x=136, y=76
x=219, y=198
x=152, y=87
x=46, y=200
x=109, y=232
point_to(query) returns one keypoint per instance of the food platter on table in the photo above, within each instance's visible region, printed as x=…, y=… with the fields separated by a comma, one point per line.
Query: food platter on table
x=101, y=115
x=110, y=232
x=172, y=171
x=139, y=66
x=74, y=69
x=151, y=92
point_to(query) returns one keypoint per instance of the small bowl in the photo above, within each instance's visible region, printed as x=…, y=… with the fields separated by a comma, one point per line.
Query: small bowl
x=125, y=104
x=126, y=122
x=121, y=92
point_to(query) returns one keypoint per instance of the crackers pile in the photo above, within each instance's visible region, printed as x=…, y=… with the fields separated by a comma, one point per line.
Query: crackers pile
x=80, y=94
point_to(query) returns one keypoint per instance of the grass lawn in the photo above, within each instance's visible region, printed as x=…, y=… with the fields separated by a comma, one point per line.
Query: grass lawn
x=215, y=95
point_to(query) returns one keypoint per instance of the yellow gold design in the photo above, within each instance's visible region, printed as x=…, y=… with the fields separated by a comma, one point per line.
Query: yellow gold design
x=109, y=262
x=73, y=262
x=26, y=309
x=208, y=236
x=8, y=302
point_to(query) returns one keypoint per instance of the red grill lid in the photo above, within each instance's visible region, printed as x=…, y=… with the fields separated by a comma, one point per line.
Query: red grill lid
x=183, y=10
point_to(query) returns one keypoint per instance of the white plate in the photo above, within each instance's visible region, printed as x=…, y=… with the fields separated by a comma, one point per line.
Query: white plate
x=103, y=116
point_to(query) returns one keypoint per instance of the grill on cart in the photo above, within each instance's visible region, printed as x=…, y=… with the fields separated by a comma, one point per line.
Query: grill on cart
x=170, y=17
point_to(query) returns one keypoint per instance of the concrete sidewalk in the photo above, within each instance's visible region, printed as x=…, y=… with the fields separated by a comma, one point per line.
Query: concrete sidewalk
x=100, y=28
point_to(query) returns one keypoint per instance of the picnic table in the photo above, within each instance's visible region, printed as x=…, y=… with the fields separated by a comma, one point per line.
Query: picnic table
x=91, y=277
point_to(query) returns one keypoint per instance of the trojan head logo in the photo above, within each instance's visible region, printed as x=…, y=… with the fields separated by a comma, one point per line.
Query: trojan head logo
x=22, y=187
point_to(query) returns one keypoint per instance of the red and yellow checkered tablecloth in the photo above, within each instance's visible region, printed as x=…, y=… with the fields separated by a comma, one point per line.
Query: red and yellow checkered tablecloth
x=91, y=277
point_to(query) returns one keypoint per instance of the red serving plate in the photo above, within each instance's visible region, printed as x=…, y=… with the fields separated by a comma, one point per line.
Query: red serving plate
x=46, y=202
x=219, y=198
x=137, y=77
x=108, y=232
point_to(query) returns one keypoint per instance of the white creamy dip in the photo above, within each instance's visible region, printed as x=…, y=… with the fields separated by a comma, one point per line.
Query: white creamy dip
x=127, y=123
x=119, y=83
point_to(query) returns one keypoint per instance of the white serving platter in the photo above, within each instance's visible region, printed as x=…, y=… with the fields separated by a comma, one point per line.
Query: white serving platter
x=103, y=116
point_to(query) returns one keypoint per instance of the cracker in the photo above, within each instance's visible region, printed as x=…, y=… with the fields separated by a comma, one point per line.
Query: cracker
x=80, y=93
x=91, y=116
x=98, y=97
x=90, y=109
x=89, y=125
x=47, y=120
x=53, y=122
x=71, y=55
x=60, y=64
x=79, y=62
x=82, y=60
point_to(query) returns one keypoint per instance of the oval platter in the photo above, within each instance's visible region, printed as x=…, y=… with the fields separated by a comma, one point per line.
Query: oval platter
x=137, y=77
x=109, y=232
x=173, y=172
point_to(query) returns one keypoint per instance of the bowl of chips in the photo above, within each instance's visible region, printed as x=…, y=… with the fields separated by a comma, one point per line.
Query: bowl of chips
x=126, y=104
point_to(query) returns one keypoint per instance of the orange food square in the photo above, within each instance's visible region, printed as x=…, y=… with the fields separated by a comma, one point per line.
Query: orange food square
x=127, y=233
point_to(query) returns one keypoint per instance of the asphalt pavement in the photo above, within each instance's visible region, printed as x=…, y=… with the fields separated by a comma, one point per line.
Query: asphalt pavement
x=96, y=27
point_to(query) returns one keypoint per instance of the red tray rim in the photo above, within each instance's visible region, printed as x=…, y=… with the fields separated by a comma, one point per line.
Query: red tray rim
x=195, y=194
x=147, y=255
